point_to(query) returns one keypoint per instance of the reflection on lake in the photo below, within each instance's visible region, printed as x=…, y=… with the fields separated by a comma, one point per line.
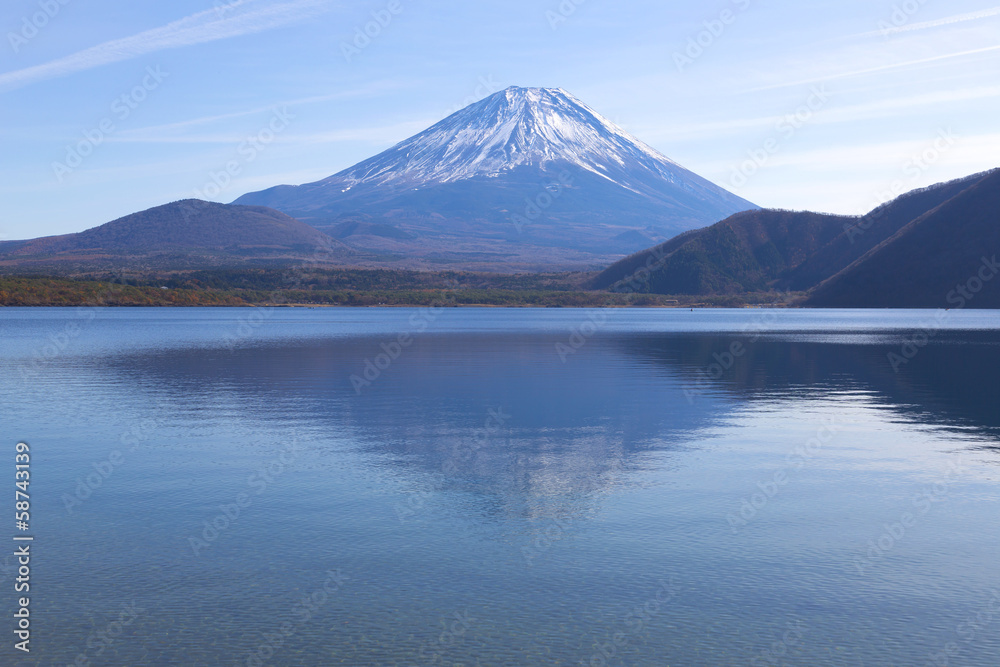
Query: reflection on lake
x=670, y=487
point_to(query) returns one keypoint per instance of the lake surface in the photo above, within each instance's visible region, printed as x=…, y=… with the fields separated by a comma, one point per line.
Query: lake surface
x=506, y=487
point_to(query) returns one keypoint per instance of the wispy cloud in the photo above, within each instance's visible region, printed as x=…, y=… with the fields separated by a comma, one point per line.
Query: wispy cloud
x=948, y=20
x=891, y=107
x=874, y=70
x=239, y=18
x=387, y=135
x=168, y=132
x=376, y=135
x=972, y=153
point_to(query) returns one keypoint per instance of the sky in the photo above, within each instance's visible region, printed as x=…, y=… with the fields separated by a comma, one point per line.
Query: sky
x=111, y=107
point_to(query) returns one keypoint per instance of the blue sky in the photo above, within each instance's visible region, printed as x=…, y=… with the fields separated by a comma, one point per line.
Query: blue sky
x=111, y=107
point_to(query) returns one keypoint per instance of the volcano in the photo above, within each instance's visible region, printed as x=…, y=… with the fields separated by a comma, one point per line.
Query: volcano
x=525, y=179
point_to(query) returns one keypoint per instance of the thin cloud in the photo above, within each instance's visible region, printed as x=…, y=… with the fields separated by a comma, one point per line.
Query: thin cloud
x=161, y=131
x=379, y=135
x=874, y=70
x=926, y=25
x=234, y=20
x=853, y=113
x=975, y=151
x=388, y=135
x=156, y=133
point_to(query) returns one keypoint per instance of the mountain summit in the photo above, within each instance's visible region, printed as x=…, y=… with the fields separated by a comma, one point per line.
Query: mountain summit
x=524, y=176
x=184, y=234
x=525, y=127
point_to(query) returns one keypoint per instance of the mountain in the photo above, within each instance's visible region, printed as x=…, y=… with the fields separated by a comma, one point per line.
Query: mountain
x=180, y=234
x=866, y=232
x=783, y=250
x=525, y=178
x=744, y=253
x=945, y=258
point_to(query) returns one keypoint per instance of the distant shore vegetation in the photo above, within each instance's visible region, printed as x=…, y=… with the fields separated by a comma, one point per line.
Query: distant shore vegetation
x=346, y=288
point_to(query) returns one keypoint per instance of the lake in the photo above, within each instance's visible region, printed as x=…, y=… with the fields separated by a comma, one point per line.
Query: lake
x=506, y=487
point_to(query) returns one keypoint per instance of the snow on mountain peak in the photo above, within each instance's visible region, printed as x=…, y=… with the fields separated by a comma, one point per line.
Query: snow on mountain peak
x=453, y=190
x=516, y=127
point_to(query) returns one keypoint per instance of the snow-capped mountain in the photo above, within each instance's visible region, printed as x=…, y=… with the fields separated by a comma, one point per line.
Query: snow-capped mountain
x=532, y=169
x=518, y=127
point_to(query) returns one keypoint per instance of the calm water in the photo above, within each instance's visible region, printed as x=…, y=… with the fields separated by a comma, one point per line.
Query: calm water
x=211, y=487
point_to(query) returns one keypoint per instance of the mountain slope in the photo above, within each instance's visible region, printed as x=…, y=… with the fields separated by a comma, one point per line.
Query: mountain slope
x=744, y=253
x=528, y=175
x=185, y=230
x=869, y=231
x=770, y=249
x=945, y=258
